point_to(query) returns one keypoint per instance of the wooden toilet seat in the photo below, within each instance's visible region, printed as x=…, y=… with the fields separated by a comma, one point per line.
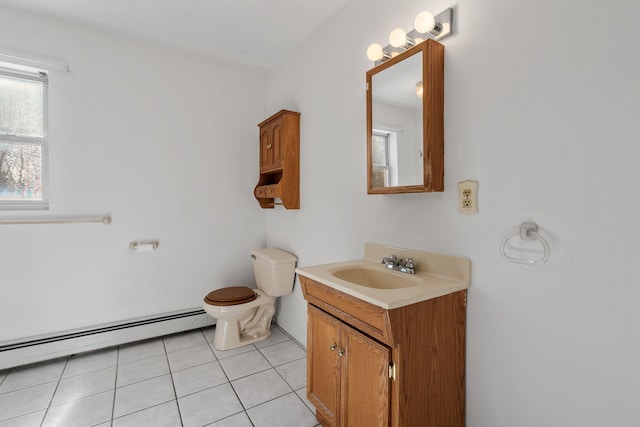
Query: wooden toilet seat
x=232, y=295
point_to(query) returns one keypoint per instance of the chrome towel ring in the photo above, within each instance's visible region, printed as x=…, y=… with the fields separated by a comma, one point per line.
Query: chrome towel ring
x=526, y=231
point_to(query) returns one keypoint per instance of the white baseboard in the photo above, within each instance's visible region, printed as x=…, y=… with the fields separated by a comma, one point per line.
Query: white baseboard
x=36, y=349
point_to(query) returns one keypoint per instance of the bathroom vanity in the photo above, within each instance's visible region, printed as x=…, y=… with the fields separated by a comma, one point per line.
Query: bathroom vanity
x=387, y=348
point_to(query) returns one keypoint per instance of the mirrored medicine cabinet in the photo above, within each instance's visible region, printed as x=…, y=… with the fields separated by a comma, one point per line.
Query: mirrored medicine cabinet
x=405, y=122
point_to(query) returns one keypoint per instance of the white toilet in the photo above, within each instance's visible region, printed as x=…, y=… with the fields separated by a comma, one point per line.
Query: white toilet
x=243, y=315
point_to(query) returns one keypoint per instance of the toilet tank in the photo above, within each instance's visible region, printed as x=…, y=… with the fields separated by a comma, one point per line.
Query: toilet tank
x=274, y=270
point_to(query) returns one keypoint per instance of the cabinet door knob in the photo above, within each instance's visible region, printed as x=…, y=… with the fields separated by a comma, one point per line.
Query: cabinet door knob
x=268, y=145
x=333, y=347
x=340, y=353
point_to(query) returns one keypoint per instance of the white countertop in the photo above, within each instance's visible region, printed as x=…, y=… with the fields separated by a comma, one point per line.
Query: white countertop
x=436, y=275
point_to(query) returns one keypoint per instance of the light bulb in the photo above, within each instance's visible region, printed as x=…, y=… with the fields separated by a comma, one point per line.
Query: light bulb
x=425, y=22
x=375, y=52
x=419, y=89
x=398, y=38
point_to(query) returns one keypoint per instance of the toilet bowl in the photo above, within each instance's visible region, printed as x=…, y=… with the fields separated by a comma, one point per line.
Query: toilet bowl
x=243, y=315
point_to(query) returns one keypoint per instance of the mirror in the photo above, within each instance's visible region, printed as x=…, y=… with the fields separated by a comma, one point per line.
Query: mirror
x=405, y=132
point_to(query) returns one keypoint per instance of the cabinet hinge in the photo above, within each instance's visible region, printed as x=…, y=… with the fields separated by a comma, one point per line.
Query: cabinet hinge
x=392, y=371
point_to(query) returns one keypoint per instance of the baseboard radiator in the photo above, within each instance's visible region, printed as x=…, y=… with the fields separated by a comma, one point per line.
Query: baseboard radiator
x=36, y=349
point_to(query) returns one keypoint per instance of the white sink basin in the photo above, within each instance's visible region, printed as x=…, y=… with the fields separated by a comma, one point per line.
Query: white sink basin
x=368, y=279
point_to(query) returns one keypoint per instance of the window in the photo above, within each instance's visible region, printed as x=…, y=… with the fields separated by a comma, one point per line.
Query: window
x=23, y=139
x=380, y=159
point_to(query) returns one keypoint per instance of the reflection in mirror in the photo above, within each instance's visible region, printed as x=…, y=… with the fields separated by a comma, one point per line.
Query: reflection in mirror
x=405, y=100
x=397, y=124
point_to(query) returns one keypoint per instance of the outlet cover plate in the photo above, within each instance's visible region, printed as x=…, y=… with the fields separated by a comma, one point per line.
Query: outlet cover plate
x=468, y=197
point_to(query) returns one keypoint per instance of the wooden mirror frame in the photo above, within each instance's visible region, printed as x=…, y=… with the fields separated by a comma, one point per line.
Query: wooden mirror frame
x=432, y=119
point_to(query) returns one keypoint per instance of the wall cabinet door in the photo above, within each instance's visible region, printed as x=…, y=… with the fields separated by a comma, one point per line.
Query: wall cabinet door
x=271, y=145
x=348, y=374
x=266, y=154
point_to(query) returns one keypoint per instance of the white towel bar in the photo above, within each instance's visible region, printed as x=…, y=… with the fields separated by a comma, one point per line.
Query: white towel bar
x=68, y=220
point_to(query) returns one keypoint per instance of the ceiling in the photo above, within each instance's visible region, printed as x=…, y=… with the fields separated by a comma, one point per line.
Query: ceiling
x=252, y=32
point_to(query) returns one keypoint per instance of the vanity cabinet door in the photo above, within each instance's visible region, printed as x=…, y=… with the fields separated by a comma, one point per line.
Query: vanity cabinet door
x=365, y=383
x=347, y=374
x=323, y=365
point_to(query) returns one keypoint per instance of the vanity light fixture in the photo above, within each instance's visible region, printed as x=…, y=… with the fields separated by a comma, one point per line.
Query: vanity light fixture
x=398, y=38
x=376, y=53
x=426, y=23
x=419, y=89
x=426, y=26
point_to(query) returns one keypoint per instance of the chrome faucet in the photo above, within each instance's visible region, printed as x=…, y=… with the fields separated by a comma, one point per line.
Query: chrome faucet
x=402, y=265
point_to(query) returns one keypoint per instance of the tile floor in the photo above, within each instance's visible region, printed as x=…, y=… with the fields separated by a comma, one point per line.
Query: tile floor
x=176, y=380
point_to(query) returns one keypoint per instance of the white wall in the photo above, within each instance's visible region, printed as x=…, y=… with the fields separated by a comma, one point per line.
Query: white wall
x=163, y=141
x=541, y=103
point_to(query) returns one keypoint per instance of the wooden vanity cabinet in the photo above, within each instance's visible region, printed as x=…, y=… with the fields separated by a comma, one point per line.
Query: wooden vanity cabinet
x=279, y=161
x=368, y=366
x=348, y=380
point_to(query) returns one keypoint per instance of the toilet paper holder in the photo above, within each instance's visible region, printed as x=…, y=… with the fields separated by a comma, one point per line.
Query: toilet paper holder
x=143, y=246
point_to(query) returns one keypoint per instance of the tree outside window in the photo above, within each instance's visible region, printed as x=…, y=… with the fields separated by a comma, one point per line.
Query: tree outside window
x=22, y=139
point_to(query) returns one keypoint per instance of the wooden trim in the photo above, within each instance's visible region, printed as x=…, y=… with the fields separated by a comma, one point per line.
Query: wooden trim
x=370, y=319
x=274, y=116
x=433, y=110
x=431, y=360
x=433, y=118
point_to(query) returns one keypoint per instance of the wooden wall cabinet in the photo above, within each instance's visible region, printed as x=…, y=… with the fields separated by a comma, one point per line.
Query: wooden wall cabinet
x=369, y=366
x=279, y=160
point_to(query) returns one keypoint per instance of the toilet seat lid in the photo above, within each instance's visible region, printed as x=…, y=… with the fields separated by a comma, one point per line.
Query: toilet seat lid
x=232, y=295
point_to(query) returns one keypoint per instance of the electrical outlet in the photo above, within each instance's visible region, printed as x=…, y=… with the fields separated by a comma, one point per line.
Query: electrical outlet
x=468, y=197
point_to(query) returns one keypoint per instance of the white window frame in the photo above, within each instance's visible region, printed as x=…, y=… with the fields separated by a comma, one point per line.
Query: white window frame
x=386, y=166
x=28, y=73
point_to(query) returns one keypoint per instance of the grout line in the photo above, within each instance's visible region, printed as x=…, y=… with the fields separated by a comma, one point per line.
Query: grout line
x=183, y=333
x=248, y=375
x=143, y=409
x=205, y=389
x=46, y=412
x=303, y=401
x=279, y=397
x=291, y=337
x=89, y=354
x=22, y=388
x=233, y=415
x=28, y=368
x=249, y=349
x=21, y=415
x=173, y=384
x=275, y=368
x=141, y=359
x=115, y=385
